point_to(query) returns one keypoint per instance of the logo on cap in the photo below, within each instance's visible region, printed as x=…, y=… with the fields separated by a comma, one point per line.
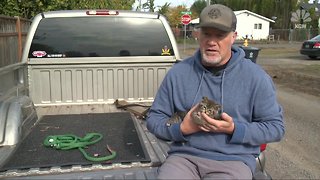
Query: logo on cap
x=214, y=13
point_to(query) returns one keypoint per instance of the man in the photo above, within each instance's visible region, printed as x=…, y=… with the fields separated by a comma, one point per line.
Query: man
x=251, y=114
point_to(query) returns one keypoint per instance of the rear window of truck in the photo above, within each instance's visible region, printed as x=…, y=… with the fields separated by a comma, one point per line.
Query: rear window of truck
x=100, y=37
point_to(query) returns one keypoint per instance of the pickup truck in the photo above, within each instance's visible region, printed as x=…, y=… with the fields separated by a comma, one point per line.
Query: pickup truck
x=76, y=65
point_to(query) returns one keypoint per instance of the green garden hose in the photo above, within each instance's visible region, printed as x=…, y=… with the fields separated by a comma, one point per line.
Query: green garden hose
x=70, y=141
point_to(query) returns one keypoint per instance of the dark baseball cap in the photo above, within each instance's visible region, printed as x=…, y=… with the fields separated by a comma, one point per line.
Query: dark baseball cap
x=218, y=16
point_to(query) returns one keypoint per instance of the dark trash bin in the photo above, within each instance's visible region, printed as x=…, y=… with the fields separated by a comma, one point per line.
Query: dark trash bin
x=251, y=52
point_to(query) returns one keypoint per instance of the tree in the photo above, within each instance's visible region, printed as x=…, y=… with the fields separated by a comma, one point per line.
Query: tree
x=268, y=8
x=174, y=15
x=164, y=9
x=197, y=7
x=149, y=5
x=29, y=8
x=9, y=7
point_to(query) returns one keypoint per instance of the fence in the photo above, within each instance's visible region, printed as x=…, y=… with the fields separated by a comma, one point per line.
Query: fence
x=13, y=32
x=294, y=34
x=298, y=35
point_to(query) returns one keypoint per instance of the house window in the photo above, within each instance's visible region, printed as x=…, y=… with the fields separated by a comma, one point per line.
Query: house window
x=258, y=26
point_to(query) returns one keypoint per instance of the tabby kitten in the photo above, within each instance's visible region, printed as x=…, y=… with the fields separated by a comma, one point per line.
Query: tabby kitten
x=210, y=107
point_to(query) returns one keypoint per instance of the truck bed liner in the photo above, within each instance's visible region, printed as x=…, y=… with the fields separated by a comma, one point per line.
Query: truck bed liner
x=118, y=132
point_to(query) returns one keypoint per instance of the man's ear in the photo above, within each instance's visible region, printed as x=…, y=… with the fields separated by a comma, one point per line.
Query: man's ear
x=234, y=36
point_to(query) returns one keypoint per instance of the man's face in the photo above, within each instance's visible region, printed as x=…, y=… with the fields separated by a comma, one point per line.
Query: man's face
x=215, y=46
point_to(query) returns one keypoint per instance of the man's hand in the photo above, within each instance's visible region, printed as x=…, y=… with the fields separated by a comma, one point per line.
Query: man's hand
x=187, y=125
x=226, y=125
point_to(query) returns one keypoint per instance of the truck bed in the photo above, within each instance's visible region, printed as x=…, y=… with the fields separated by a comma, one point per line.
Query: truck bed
x=155, y=151
x=77, y=63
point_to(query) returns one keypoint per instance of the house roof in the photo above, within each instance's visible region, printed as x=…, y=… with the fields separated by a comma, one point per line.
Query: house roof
x=252, y=13
x=196, y=21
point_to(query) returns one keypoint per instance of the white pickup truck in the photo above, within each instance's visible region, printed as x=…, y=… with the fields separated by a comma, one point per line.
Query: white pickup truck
x=75, y=66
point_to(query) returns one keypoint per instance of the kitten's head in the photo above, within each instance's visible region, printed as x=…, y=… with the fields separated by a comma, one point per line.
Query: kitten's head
x=211, y=108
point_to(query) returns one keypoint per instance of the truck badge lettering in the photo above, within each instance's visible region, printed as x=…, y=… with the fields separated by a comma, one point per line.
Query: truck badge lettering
x=56, y=55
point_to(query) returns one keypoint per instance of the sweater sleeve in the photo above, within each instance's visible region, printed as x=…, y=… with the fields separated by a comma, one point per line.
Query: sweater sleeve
x=160, y=112
x=267, y=120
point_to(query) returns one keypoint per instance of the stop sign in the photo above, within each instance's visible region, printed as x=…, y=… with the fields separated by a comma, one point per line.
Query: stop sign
x=185, y=19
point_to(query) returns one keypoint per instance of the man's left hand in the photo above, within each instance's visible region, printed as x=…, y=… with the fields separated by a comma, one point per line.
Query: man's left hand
x=226, y=125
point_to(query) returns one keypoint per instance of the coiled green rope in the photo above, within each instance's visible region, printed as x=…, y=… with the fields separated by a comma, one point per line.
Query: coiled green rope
x=70, y=141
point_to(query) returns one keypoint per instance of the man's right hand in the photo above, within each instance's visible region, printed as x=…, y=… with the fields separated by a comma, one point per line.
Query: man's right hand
x=187, y=125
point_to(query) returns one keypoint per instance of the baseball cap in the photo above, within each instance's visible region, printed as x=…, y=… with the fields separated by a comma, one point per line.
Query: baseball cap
x=218, y=16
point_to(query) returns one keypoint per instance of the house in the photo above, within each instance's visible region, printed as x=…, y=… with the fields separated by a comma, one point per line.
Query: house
x=249, y=24
x=253, y=25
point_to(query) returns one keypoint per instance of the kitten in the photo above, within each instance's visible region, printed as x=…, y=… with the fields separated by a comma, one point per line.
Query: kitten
x=210, y=107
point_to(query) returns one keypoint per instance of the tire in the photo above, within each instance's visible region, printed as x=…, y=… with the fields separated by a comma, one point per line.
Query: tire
x=312, y=57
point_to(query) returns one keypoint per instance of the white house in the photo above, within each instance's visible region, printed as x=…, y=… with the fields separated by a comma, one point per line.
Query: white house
x=249, y=24
x=253, y=25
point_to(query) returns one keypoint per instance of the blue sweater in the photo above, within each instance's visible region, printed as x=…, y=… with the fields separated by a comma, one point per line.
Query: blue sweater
x=246, y=93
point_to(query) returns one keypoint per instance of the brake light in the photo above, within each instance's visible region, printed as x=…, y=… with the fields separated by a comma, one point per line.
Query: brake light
x=316, y=45
x=263, y=147
x=102, y=12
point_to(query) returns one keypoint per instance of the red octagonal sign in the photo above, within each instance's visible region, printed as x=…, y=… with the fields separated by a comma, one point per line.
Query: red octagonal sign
x=185, y=19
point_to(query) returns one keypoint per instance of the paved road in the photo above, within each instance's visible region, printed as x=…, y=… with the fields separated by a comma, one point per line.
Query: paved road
x=297, y=155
